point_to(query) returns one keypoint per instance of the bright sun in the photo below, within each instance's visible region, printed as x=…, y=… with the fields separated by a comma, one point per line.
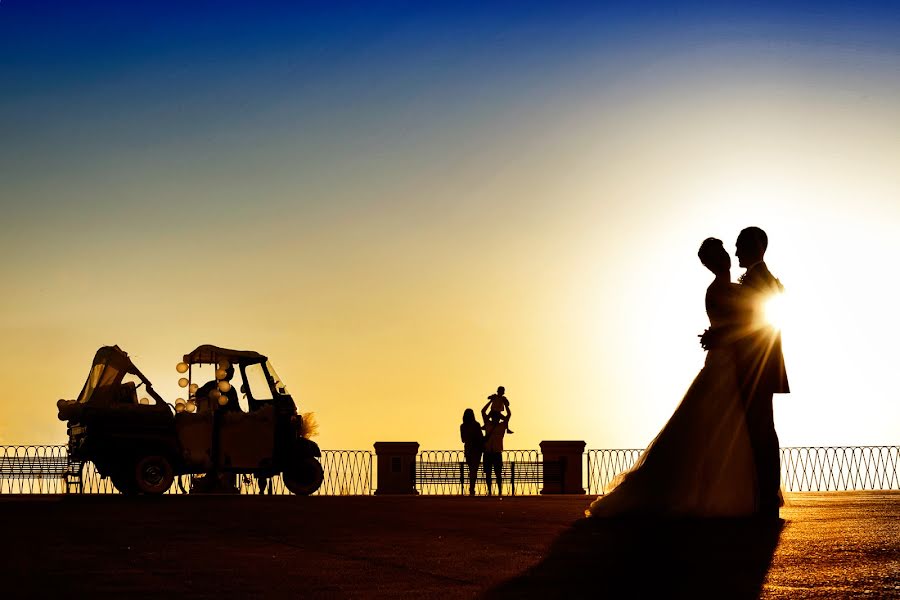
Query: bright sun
x=776, y=311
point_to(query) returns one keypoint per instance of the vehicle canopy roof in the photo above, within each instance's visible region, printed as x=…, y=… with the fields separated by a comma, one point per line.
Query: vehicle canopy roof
x=209, y=354
x=111, y=365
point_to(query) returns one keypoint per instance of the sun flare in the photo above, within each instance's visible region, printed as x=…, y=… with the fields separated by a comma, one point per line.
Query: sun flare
x=776, y=311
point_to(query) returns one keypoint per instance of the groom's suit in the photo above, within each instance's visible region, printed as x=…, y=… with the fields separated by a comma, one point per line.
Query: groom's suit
x=761, y=373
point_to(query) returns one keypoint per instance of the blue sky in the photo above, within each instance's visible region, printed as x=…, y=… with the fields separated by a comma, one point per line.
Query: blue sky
x=397, y=197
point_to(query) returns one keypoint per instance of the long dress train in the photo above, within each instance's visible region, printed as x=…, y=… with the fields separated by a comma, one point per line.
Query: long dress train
x=701, y=462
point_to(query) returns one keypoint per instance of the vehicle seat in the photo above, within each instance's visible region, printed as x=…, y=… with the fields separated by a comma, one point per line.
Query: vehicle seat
x=126, y=393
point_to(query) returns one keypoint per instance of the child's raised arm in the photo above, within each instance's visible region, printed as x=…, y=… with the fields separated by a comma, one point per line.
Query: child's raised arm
x=484, y=410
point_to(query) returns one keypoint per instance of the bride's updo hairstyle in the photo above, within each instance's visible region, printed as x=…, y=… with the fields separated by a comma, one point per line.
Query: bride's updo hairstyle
x=713, y=255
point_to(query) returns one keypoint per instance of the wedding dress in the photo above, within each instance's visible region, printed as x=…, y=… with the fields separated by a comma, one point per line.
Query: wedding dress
x=701, y=463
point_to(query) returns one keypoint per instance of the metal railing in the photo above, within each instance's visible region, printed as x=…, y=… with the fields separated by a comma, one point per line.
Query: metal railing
x=523, y=488
x=350, y=472
x=43, y=479
x=803, y=469
x=347, y=473
x=840, y=468
x=602, y=466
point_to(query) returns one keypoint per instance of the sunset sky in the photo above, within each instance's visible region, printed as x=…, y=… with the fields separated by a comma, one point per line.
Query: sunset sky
x=405, y=206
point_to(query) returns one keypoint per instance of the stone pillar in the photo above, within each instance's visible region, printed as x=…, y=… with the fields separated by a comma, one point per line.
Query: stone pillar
x=569, y=454
x=396, y=468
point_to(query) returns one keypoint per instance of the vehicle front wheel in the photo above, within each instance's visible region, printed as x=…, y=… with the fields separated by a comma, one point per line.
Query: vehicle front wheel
x=304, y=477
x=153, y=474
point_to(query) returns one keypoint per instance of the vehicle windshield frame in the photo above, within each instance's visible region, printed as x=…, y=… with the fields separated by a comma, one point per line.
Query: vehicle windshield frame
x=251, y=382
x=275, y=380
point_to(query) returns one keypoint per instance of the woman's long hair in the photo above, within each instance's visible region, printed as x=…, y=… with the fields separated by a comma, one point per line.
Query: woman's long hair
x=469, y=416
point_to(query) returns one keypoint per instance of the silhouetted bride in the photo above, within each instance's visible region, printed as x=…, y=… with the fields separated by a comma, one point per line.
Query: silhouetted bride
x=701, y=463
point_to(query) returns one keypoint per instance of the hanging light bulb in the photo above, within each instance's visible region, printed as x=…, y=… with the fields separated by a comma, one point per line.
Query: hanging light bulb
x=181, y=367
x=191, y=407
x=179, y=408
x=224, y=387
x=193, y=389
x=223, y=400
x=221, y=374
x=224, y=363
x=183, y=382
x=179, y=401
x=214, y=395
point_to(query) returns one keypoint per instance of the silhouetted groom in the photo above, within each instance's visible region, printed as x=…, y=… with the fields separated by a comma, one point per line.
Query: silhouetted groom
x=760, y=365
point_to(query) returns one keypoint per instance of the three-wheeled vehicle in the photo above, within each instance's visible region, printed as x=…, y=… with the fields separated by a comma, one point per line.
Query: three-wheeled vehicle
x=142, y=444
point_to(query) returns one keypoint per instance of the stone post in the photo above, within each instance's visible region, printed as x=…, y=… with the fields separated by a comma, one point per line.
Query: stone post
x=569, y=454
x=396, y=468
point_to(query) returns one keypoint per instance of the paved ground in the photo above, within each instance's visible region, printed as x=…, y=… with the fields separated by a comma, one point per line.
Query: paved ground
x=843, y=545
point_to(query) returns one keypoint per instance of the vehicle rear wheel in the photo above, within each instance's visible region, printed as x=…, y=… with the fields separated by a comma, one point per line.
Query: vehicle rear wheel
x=153, y=474
x=304, y=477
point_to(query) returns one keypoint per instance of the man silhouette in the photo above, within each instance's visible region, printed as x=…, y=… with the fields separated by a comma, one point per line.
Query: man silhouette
x=760, y=365
x=494, y=429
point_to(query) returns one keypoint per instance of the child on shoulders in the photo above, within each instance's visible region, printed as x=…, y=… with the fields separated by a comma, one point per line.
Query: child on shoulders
x=499, y=402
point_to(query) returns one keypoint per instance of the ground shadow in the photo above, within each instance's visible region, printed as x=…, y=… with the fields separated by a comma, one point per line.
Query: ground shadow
x=640, y=558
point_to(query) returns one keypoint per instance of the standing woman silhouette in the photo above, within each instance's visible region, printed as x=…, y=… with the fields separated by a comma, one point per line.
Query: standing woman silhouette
x=473, y=445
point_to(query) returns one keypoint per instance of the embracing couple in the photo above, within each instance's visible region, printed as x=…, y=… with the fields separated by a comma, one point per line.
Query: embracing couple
x=718, y=454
